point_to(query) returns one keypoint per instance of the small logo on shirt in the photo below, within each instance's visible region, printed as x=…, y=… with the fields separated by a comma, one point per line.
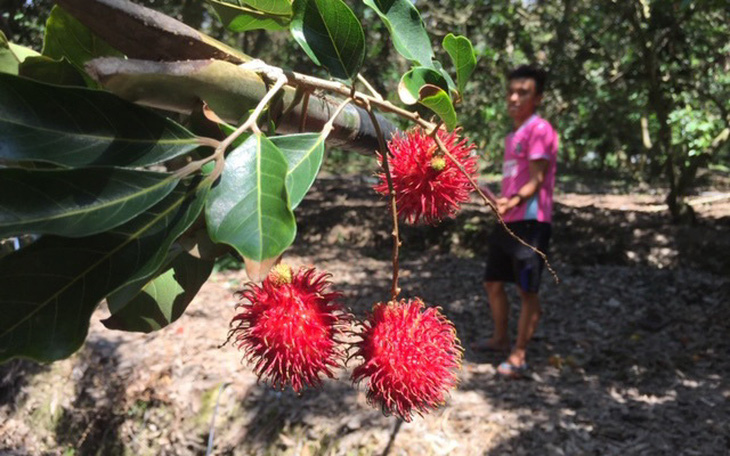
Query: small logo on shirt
x=509, y=168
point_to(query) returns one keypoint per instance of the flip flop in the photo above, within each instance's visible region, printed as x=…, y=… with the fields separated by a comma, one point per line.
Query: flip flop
x=509, y=370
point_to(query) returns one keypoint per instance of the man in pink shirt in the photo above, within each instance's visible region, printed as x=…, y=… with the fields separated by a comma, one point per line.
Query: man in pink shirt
x=526, y=203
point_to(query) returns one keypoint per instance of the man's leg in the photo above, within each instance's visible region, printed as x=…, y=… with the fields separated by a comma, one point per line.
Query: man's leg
x=529, y=317
x=500, y=314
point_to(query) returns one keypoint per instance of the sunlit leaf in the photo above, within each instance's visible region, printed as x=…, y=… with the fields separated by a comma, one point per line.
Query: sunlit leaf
x=11, y=55
x=463, y=56
x=304, y=153
x=411, y=83
x=406, y=29
x=330, y=33
x=249, y=208
x=438, y=101
x=241, y=16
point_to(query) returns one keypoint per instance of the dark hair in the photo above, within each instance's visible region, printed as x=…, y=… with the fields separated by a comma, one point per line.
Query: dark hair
x=530, y=72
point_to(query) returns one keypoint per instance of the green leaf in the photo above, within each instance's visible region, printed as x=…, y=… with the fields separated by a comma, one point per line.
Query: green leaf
x=45, y=69
x=330, y=34
x=406, y=29
x=163, y=299
x=77, y=127
x=8, y=60
x=463, y=56
x=193, y=209
x=22, y=52
x=411, y=83
x=49, y=289
x=67, y=37
x=11, y=55
x=76, y=202
x=438, y=101
x=304, y=153
x=453, y=89
x=249, y=209
x=281, y=7
x=241, y=16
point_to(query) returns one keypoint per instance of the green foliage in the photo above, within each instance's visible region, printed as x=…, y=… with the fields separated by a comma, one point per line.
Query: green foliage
x=250, y=209
x=242, y=16
x=76, y=202
x=134, y=208
x=49, y=289
x=406, y=29
x=161, y=300
x=304, y=153
x=437, y=100
x=58, y=72
x=330, y=34
x=413, y=80
x=67, y=38
x=12, y=55
x=462, y=55
x=62, y=126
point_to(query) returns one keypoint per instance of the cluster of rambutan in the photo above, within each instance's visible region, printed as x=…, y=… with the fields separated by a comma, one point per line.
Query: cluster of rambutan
x=289, y=328
x=428, y=185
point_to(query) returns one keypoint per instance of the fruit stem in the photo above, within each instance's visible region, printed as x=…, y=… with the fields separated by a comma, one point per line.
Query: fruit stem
x=395, y=290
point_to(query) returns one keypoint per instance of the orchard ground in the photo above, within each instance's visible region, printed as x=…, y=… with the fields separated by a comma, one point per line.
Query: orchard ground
x=631, y=356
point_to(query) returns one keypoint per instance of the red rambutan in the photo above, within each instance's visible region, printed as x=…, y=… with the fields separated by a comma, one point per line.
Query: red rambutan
x=410, y=355
x=287, y=327
x=428, y=185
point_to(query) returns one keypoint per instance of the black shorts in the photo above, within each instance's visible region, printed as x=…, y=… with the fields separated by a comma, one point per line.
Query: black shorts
x=510, y=261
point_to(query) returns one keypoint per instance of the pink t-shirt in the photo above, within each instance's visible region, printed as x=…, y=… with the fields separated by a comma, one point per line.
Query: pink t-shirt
x=534, y=140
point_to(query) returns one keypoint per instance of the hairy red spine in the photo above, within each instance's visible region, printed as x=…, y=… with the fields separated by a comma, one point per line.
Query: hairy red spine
x=288, y=329
x=410, y=355
x=428, y=186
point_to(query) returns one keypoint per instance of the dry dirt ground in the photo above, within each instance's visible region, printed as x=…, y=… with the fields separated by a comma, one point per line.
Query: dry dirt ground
x=631, y=357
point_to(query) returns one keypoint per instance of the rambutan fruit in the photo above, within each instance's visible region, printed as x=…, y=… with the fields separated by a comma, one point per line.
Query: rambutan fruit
x=410, y=355
x=288, y=327
x=428, y=185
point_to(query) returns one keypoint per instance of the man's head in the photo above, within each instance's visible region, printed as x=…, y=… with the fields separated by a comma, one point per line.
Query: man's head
x=524, y=91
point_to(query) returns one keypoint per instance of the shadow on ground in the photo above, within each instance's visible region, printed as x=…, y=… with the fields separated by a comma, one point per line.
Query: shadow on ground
x=631, y=356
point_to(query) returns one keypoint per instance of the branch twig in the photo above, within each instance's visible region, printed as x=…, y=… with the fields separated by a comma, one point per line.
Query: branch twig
x=372, y=90
x=218, y=154
x=327, y=129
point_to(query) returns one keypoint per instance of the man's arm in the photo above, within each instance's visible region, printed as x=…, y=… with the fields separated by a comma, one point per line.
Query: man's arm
x=538, y=168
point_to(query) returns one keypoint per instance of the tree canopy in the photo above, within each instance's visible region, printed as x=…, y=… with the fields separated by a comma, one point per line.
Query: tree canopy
x=206, y=145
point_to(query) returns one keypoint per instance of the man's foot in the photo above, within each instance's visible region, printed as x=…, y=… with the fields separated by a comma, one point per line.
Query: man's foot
x=509, y=370
x=491, y=344
x=515, y=366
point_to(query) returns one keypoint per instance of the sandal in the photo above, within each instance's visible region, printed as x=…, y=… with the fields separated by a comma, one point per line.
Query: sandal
x=509, y=370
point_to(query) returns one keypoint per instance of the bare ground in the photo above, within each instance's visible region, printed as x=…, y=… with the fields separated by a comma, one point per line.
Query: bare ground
x=631, y=357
